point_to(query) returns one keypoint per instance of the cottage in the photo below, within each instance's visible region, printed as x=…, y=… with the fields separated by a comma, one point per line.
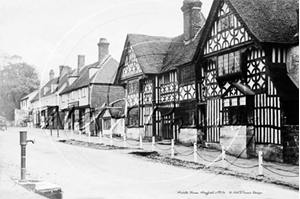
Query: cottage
x=45, y=103
x=90, y=90
x=27, y=107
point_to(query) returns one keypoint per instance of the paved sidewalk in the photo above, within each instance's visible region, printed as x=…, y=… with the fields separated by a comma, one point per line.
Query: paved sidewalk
x=278, y=173
x=10, y=189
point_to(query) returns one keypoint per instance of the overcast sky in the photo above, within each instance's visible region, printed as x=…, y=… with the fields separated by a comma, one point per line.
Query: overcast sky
x=49, y=33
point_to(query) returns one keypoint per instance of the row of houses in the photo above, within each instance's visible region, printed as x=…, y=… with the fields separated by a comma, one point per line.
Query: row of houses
x=229, y=80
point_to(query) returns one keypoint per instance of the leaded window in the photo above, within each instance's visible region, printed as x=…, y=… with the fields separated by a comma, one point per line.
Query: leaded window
x=133, y=117
x=229, y=63
x=133, y=86
x=238, y=111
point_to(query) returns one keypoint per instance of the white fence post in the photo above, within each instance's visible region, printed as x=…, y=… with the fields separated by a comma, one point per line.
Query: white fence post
x=79, y=135
x=100, y=137
x=153, y=142
x=195, y=152
x=141, y=142
x=223, y=157
x=72, y=134
x=89, y=136
x=124, y=138
x=111, y=141
x=172, y=148
x=260, y=163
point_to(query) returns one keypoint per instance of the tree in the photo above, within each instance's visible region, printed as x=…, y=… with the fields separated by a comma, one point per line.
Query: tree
x=17, y=79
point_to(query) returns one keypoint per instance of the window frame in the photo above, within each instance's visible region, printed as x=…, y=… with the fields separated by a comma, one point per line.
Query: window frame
x=133, y=119
x=106, y=123
x=243, y=110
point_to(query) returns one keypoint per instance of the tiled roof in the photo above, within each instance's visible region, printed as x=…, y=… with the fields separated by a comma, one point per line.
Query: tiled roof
x=107, y=72
x=269, y=20
x=150, y=51
x=82, y=80
x=41, y=93
x=159, y=54
x=58, y=81
x=180, y=53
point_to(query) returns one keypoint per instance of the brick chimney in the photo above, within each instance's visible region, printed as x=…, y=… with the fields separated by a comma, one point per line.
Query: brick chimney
x=103, y=51
x=63, y=70
x=81, y=62
x=51, y=74
x=193, y=18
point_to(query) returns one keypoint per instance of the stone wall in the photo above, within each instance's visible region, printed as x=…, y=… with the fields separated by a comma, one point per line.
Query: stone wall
x=188, y=135
x=235, y=140
x=271, y=152
x=134, y=133
x=290, y=139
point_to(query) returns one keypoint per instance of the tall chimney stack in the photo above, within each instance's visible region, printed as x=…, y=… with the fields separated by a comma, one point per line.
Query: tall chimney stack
x=63, y=70
x=103, y=51
x=193, y=18
x=51, y=74
x=81, y=62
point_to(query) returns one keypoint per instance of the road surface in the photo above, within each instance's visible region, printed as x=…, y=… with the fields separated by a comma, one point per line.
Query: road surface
x=85, y=173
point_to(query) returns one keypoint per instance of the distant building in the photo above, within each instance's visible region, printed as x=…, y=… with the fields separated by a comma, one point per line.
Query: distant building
x=46, y=113
x=90, y=91
x=26, y=110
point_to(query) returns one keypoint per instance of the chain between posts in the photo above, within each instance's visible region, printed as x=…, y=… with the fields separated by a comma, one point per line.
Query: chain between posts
x=196, y=153
x=266, y=167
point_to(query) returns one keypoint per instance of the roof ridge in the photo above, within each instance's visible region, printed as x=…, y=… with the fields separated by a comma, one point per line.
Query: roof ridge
x=137, y=34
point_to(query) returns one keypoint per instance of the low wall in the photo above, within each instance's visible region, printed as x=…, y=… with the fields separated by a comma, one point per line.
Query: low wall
x=290, y=139
x=238, y=140
x=188, y=136
x=134, y=133
x=270, y=152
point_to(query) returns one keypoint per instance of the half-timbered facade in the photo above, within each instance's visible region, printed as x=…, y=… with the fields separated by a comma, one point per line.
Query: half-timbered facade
x=160, y=80
x=245, y=93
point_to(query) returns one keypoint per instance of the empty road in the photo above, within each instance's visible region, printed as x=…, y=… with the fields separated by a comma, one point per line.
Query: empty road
x=85, y=173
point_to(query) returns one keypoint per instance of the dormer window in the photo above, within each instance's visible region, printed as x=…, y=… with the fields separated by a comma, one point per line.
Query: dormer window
x=46, y=89
x=53, y=87
x=229, y=63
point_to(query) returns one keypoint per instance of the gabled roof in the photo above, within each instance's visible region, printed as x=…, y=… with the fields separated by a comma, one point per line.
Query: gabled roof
x=272, y=21
x=105, y=74
x=82, y=80
x=267, y=21
x=41, y=93
x=157, y=54
x=149, y=50
x=32, y=94
x=57, y=81
x=179, y=53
